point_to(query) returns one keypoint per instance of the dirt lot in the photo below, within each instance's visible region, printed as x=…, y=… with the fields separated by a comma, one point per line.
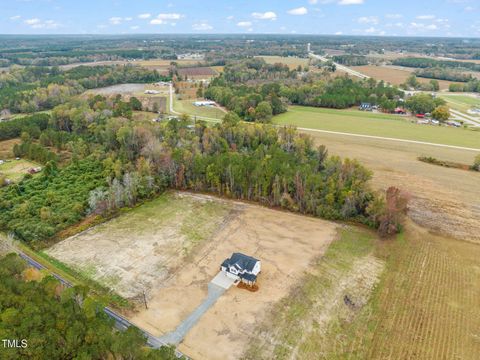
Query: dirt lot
x=445, y=200
x=203, y=72
x=6, y=148
x=172, y=247
x=285, y=243
x=140, y=249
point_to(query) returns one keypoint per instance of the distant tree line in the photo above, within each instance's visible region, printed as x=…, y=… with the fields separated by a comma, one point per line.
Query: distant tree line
x=30, y=89
x=471, y=86
x=350, y=60
x=420, y=62
x=443, y=74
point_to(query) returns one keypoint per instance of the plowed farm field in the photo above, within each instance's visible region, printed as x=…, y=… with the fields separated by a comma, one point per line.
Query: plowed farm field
x=429, y=306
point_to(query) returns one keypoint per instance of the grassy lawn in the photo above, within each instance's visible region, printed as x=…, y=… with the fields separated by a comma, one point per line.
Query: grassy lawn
x=16, y=169
x=461, y=102
x=187, y=107
x=365, y=123
x=142, y=245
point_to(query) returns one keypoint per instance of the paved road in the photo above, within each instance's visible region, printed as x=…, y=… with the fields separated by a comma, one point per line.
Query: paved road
x=121, y=323
x=176, y=336
x=391, y=139
x=342, y=133
x=341, y=67
x=172, y=110
x=457, y=115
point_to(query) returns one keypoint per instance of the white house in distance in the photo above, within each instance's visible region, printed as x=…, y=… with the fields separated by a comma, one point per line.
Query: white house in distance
x=242, y=268
x=207, y=103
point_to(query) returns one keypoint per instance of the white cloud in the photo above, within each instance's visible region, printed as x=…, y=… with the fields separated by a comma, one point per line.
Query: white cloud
x=16, y=17
x=368, y=20
x=339, y=33
x=115, y=20
x=157, y=22
x=244, y=23
x=269, y=15
x=202, y=26
x=144, y=16
x=32, y=21
x=394, y=16
x=313, y=2
x=421, y=26
x=162, y=19
x=231, y=17
x=171, y=16
x=350, y=2
x=298, y=11
x=135, y=27
x=425, y=17
x=36, y=23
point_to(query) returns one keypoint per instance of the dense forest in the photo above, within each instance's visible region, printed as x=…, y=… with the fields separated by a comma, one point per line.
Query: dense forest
x=61, y=323
x=31, y=89
x=117, y=162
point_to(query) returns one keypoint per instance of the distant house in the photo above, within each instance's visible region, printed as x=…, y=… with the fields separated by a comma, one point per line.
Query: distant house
x=365, y=107
x=34, y=170
x=242, y=268
x=204, y=103
x=152, y=92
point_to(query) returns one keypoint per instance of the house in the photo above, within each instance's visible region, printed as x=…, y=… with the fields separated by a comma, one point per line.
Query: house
x=204, y=103
x=365, y=107
x=34, y=170
x=242, y=268
x=400, y=111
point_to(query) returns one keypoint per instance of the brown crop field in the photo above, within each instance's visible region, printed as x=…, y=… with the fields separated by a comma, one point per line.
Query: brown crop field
x=444, y=200
x=394, y=75
x=428, y=302
x=6, y=148
x=197, y=72
x=292, y=62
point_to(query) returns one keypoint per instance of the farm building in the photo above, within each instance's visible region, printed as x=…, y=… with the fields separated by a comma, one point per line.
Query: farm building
x=242, y=268
x=204, y=103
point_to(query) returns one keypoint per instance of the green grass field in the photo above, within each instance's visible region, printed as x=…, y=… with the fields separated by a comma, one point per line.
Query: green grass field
x=16, y=169
x=461, y=102
x=384, y=125
x=187, y=107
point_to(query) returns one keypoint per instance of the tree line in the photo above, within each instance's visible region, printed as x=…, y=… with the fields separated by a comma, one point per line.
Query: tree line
x=418, y=62
x=31, y=89
x=117, y=162
x=61, y=323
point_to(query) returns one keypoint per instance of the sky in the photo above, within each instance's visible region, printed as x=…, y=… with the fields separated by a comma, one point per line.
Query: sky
x=452, y=18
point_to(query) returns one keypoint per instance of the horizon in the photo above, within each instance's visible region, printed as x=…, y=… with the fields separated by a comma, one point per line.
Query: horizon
x=445, y=19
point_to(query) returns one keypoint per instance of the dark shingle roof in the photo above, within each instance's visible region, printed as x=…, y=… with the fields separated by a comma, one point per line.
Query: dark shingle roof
x=243, y=261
